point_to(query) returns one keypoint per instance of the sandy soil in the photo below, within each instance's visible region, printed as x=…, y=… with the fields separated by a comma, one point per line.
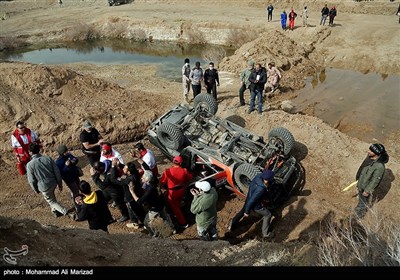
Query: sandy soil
x=123, y=100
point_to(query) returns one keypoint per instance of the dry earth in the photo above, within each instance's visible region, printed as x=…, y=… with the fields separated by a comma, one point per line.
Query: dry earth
x=123, y=100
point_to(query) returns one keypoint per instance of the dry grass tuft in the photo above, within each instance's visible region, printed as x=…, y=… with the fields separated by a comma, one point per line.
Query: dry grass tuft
x=373, y=241
x=11, y=43
x=238, y=37
x=196, y=36
x=82, y=32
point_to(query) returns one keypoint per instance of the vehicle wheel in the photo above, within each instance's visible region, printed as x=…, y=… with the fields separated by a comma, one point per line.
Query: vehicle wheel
x=244, y=174
x=170, y=136
x=282, y=139
x=206, y=102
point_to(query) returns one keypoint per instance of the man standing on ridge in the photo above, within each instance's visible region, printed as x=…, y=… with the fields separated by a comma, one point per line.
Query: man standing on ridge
x=196, y=77
x=258, y=78
x=270, y=8
x=185, y=79
x=324, y=14
x=244, y=80
x=369, y=176
x=211, y=80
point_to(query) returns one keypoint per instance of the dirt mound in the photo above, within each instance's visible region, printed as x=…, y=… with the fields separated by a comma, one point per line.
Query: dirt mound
x=276, y=46
x=54, y=101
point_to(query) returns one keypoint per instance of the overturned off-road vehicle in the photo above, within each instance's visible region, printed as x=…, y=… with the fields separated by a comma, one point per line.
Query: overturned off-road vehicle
x=222, y=152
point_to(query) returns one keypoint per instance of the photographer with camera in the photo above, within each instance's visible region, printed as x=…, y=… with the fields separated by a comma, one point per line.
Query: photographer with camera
x=204, y=206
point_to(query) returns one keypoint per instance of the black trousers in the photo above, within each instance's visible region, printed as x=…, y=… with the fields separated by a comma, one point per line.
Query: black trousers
x=136, y=211
x=212, y=89
x=93, y=157
x=196, y=90
x=242, y=89
x=117, y=195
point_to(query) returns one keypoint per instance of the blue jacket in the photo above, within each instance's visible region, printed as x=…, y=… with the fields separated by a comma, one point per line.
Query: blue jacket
x=256, y=194
x=68, y=173
x=283, y=18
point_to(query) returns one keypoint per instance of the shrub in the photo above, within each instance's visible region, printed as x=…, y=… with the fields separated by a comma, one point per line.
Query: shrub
x=214, y=54
x=196, y=36
x=117, y=30
x=238, y=37
x=11, y=43
x=369, y=242
x=138, y=34
x=82, y=32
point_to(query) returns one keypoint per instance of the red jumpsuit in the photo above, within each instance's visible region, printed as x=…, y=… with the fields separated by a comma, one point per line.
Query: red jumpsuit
x=176, y=179
x=292, y=16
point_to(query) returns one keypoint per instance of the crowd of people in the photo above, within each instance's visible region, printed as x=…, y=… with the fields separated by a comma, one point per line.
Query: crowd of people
x=146, y=198
x=255, y=77
x=292, y=15
x=195, y=77
x=136, y=189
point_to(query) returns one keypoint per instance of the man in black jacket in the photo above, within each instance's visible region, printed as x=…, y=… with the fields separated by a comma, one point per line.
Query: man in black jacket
x=92, y=206
x=211, y=80
x=324, y=14
x=110, y=185
x=155, y=205
x=258, y=78
x=133, y=185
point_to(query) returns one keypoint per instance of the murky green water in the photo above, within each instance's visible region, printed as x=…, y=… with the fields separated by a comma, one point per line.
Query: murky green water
x=366, y=106
x=167, y=56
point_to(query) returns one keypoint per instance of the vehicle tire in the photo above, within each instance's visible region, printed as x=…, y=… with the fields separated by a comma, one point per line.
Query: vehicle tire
x=282, y=138
x=206, y=102
x=170, y=136
x=244, y=174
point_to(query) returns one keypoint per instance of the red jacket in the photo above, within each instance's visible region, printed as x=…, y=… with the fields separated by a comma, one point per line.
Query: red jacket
x=175, y=176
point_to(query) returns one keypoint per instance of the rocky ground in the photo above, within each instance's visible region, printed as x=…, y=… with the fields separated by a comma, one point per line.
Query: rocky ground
x=121, y=103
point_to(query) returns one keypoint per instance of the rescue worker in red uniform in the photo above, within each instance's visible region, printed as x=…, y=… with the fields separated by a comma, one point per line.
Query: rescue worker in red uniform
x=21, y=138
x=175, y=179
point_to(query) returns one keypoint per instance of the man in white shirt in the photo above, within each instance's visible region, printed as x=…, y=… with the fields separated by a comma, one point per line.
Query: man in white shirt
x=109, y=153
x=147, y=156
x=185, y=79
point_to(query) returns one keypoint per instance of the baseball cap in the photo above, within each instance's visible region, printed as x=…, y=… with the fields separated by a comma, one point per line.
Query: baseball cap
x=178, y=160
x=267, y=175
x=203, y=185
x=87, y=124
